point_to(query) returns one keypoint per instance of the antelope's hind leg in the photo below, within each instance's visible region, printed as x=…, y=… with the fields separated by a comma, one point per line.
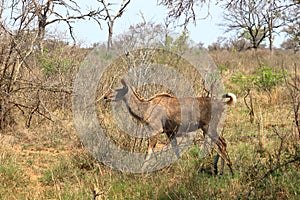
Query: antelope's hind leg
x=222, y=152
x=215, y=165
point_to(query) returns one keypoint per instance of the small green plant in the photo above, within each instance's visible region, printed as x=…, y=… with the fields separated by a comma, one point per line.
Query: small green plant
x=53, y=63
x=267, y=78
x=11, y=174
x=222, y=68
x=64, y=171
x=68, y=169
x=48, y=67
x=242, y=80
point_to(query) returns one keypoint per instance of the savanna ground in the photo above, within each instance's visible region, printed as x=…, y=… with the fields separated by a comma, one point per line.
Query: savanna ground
x=44, y=159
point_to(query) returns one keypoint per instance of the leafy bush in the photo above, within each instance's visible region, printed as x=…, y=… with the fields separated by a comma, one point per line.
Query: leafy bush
x=267, y=78
x=264, y=78
x=242, y=80
x=54, y=65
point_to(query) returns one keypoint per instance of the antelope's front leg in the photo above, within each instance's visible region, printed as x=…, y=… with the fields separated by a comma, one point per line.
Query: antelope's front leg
x=151, y=146
x=153, y=129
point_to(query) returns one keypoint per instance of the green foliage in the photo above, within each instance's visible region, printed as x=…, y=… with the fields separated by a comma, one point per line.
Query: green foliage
x=51, y=67
x=194, y=152
x=48, y=67
x=267, y=78
x=264, y=78
x=180, y=44
x=222, y=68
x=52, y=64
x=242, y=80
x=45, y=50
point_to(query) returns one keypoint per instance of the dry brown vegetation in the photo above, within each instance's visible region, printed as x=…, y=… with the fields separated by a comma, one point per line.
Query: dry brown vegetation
x=41, y=156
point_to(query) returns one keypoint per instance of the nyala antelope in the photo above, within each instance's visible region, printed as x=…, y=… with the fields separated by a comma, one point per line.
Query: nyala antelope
x=163, y=113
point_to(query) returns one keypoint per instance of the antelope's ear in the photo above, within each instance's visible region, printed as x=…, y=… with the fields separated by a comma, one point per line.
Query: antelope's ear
x=123, y=83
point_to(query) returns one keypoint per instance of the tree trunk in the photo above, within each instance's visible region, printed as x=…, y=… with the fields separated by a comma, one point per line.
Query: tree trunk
x=110, y=35
x=271, y=33
x=41, y=32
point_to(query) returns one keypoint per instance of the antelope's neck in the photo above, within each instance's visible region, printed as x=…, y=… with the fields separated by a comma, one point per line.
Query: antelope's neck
x=136, y=106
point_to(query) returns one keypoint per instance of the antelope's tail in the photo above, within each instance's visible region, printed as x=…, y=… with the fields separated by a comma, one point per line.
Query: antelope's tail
x=232, y=98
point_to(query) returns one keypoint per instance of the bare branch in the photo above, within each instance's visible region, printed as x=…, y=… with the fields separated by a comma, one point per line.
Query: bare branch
x=110, y=18
x=185, y=8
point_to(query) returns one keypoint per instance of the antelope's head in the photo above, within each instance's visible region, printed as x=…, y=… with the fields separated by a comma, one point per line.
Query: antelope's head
x=117, y=94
